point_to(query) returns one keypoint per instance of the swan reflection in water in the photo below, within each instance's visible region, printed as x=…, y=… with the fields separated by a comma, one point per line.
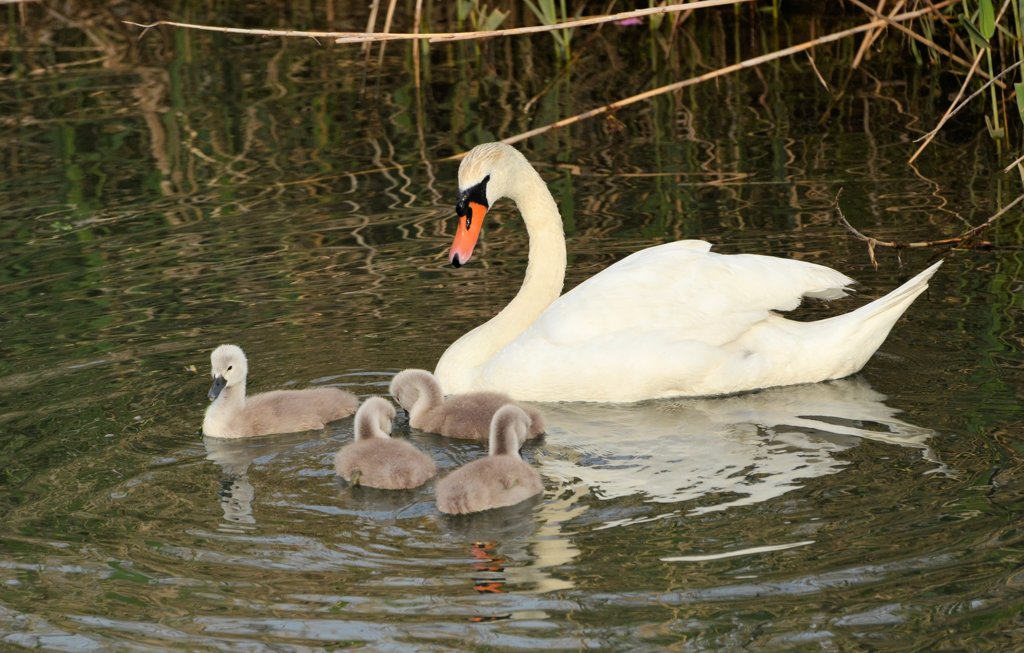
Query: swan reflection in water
x=707, y=454
x=721, y=452
x=235, y=456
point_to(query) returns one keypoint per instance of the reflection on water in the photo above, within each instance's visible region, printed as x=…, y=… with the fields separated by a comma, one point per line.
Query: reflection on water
x=696, y=455
x=234, y=456
x=721, y=452
x=165, y=195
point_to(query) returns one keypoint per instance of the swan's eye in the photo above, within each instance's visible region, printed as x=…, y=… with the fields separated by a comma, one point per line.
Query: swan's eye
x=229, y=368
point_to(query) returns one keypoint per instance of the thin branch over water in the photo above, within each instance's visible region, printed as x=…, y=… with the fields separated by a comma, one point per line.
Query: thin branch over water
x=894, y=244
x=369, y=37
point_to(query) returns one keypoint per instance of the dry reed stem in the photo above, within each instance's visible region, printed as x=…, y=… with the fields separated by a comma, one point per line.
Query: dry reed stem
x=868, y=38
x=417, y=16
x=957, y=106
x=369, y=37
x=955, y=240
x=1016, y=162
x=920, y=39
x=814, y=67
x=746, y=63
x=387, y=28
x=950, y=112
x=446, y=37
x=238, y=30
x=371, y=23
x=872, y=36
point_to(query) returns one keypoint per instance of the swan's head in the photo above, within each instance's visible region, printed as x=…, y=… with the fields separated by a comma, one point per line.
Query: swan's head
x=228, y=367
x=408, y=386
x=374, y=419
x=510, y=427
x=485, y=175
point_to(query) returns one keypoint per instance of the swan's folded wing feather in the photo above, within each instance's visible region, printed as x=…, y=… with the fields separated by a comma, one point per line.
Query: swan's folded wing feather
x=686, y=290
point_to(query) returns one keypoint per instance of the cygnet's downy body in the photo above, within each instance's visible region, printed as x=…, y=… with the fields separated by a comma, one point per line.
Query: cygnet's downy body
x=376, y=460
x=501, y=479
x=233, y=415
x=467, y=416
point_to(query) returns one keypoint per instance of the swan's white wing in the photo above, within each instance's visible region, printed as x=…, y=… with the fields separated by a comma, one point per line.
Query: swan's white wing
x=669, y=320
x=683, y=291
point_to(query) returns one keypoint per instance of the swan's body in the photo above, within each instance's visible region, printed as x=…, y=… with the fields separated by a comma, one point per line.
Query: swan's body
x=467, y=416
x=233, y=415
x=672, y=320
x=374, y=459
x=501, y=479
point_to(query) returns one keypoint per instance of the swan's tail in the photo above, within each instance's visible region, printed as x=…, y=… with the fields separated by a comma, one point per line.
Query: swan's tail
x=898, y=300
x=862, y=331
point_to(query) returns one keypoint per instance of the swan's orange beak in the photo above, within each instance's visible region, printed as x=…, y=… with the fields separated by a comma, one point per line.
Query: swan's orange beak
x=471, y=219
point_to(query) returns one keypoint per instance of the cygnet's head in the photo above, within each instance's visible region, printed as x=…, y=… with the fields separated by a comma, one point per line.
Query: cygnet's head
x=510, y=427
x=374, y=419
x=228, y=367
x=408, y=386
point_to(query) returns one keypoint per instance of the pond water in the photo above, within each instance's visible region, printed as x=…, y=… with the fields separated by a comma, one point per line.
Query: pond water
x=163, y=196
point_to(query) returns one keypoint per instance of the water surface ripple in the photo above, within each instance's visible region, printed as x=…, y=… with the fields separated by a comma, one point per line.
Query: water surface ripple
x=151, y=211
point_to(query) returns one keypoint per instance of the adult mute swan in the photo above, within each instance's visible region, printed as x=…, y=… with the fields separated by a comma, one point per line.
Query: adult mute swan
x=233, y=415
x=501, y=479
x=467, y=416
x=672, y=320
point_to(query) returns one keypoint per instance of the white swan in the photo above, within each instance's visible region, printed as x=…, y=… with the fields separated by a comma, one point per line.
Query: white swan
x=671, y=320
x=375, y=459
x=501, y=479
x=466, y=416
x=233, y=415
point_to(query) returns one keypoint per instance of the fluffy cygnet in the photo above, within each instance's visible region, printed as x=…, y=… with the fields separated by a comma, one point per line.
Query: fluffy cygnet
x=501, y=479
x=374, y=459
x=467, y=416
x=233, y=415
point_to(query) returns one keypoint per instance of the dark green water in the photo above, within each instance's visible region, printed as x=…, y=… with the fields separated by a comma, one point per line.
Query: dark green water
x=158, y=198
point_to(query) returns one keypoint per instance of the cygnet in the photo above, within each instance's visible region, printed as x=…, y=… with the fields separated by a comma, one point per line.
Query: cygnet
x=376, y=460
x=233, y=415
x=467, y=416
x=501, y=479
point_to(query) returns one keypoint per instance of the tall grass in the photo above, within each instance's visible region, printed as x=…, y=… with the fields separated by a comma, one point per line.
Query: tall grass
x=551, y=12
x=974, y=41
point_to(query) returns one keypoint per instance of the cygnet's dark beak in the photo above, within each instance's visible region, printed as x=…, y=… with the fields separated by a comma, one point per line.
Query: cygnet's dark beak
x=219, y=383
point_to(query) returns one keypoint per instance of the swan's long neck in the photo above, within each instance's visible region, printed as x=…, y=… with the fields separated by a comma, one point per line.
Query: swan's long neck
x=223, y=409
x=504, y=442
x=367, y=426
x=545, y=274
x=428, y=397
x=545, y=269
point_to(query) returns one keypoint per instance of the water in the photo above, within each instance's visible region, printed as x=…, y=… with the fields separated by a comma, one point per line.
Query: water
x=193, y=189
